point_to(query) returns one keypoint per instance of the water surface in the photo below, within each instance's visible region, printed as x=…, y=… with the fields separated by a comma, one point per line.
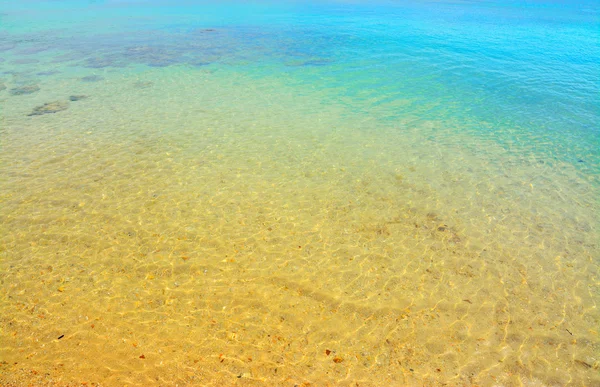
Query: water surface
x=293, y=193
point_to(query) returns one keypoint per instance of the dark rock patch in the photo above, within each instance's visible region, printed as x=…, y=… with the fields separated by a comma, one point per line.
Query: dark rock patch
x=49, y=108
x=23, y=90
x=2, y=86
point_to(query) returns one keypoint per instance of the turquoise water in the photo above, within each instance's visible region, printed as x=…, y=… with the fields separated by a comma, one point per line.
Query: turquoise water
x=532, y=64
x=382, y=193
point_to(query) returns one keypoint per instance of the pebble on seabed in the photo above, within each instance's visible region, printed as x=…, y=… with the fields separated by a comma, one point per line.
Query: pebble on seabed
x=49, y=107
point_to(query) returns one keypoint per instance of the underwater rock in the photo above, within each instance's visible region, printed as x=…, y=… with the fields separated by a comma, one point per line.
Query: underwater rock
x=49, y=107
x=142, y=84
x=28, y=89
x=2, y=86
x=92, y=78
x=77, y=97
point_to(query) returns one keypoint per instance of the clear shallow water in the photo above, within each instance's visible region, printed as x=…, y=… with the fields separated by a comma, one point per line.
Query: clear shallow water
x=400, y=193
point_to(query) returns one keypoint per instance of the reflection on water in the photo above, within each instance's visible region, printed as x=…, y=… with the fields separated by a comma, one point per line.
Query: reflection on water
x=218, y=205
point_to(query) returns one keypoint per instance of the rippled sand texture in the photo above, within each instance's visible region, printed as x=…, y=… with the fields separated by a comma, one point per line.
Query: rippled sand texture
x=197, y=227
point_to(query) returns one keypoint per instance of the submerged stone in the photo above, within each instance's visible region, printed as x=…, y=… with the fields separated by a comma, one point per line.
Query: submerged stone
x=2, y=86
x=28, y=89
x=49, y=107
x=92, y=78
x=77, y=97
